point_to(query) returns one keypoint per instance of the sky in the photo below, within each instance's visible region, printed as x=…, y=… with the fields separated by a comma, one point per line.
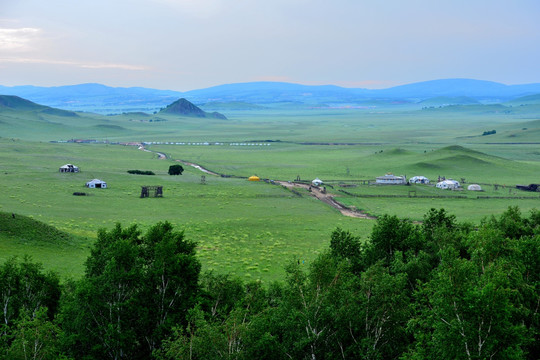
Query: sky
x=192, y=44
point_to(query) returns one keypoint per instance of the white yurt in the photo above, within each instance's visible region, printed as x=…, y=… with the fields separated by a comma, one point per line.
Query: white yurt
x=448, y=184
x=419, y=180
x=474, y=187
x=96, y=183
x=69, y=168
x=317, y=182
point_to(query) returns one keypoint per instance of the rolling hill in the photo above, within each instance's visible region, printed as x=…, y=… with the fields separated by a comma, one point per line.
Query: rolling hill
x=525, y=100
x=115, y=100
x=15, y=103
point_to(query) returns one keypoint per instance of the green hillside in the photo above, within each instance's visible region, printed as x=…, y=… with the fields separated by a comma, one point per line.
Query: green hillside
x=449, y=100
x=15, y=103
x=58, y=250
x=525, y=100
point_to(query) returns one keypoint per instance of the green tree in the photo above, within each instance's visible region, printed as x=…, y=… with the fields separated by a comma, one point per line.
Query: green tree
x=170, y=282
x=176, y=169
x=218, y=326
x=345, y=246
x=389, y=235
x=25, y=289
x=135, y=289
x=471, y=309
x=35, y=338
x=373, y=314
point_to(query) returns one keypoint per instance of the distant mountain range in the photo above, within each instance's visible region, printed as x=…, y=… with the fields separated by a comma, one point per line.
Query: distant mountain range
x=104, y=99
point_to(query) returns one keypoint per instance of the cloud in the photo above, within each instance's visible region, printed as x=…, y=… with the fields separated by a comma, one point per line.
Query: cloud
x=19, y=60
x=18, y=39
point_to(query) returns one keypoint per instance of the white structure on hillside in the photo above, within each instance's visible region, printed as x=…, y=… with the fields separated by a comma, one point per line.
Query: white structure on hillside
x=391, y=179
x=448, y=184
x=474, y=187
x=96, y=183
x=419, y=180
x=317, y=182
x=69, y=168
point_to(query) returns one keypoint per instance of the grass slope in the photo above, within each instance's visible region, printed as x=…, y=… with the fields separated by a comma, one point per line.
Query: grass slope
x=56, y=250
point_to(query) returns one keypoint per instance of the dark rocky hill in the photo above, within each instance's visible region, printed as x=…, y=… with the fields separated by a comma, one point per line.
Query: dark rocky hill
x=185, y=108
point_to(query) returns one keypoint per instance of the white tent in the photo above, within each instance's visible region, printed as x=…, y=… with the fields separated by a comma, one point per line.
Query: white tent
x=474, y=187
x=68, y=168
x=448, y=184
x=419, y=180
x=317, y=182
x=96, y=183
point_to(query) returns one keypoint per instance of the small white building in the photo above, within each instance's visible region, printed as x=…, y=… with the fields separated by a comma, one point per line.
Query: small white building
x=96, y=183
x=391, y=179
x=69, y=168
x=448, y=184
x=317, y=182
x=474, y=187
x=419, y=180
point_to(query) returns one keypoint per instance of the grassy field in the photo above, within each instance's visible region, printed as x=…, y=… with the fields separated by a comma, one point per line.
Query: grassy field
x=253, y=229
x=245, y=228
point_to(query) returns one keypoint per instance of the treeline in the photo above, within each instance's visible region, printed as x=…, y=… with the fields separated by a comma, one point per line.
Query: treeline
x=436, y=290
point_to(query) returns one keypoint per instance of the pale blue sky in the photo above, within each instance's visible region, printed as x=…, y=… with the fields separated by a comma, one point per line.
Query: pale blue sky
x=191, y=44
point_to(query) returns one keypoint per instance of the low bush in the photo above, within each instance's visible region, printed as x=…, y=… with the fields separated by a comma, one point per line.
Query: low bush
x=141, y=172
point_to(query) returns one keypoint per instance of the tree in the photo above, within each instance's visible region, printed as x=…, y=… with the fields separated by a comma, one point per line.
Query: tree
x=25, y=289
x=343, y=244
x=389, y=235
x=135, y=289
x=176, y=169
x=472, y=308
x=35, y=338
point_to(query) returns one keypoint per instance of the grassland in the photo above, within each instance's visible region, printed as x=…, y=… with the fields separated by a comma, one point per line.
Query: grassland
x=253, y=229
x=248, y=229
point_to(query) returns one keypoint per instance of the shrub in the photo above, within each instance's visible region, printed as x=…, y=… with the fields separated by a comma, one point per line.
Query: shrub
x=141, y=172
x=176, y=169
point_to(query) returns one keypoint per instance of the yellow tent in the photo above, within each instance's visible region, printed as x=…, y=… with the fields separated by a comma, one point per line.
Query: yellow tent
x=254, y=178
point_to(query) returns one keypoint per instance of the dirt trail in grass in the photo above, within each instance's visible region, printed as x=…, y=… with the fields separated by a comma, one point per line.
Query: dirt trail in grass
x=198, y=167
x=314, y=191
x=326, y=198
x=161, y=156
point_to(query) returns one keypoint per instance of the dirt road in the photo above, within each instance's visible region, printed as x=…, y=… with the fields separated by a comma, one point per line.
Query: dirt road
x=316, y=192
x=319, y=193
x=198, y=167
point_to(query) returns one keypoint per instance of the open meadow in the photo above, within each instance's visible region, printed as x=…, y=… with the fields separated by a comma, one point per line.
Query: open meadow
x=252, y=229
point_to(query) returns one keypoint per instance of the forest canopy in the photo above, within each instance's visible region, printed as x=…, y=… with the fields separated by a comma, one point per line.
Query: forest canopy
x=438, y=289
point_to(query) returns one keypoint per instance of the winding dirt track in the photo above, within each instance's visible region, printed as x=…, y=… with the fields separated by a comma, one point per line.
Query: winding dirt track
x=314, y=191
x=326, y=198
